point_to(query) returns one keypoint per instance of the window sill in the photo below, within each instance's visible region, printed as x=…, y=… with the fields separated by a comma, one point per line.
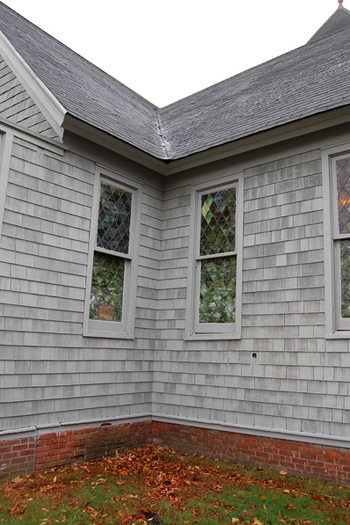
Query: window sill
x=342, y=334
x=106, y=330
x=106, y=335
x=212, y=337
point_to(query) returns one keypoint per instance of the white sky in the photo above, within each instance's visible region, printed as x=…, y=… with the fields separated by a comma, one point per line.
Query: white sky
x=168, y=49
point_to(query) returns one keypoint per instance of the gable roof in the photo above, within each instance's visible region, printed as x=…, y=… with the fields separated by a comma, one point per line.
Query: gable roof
x=85, y=91
x=307, y=81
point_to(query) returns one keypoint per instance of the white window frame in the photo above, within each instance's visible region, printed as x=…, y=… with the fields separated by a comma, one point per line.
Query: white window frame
x=125, y=328
x=212, y=331
x=336, y=326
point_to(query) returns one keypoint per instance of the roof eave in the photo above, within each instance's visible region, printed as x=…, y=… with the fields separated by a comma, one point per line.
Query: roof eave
x=250, y=143
x=262, y=139
x=97, y=136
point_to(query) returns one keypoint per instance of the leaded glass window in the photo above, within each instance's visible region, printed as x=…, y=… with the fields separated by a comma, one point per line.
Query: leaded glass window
x=114, y=217
x=217, y=257
x=109, y=261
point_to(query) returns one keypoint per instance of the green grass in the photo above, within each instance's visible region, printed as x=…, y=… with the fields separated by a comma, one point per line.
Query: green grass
x=182, y=489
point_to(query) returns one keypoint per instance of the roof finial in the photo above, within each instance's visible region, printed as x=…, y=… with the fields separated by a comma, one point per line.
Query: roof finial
x=340, y=6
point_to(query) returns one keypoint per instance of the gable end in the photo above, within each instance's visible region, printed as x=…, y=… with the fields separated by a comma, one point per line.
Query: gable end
x=18, y=107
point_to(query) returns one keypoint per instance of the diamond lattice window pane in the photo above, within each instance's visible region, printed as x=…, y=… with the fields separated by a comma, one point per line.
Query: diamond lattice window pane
x=107, y=285
x=114, y=216
x=218, y=222
x=345, y=278
x=343, y=184
x=218, y=291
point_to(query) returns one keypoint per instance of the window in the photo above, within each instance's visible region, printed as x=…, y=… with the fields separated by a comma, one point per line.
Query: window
x=342, y=235
x=108, y=312
x=217, y=262
x=336, y=171
x=341, y=239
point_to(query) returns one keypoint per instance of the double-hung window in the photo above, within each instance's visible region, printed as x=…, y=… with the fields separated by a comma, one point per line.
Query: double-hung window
x=217, y=262
x=111, y=288
x=336, y=170
x=341, y=168
x=341, y=239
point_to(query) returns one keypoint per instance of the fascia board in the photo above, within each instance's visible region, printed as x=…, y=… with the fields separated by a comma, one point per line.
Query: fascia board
x=48, y=104
x=101, y=138
x=172, y=167
x=263, y=139
x=254, y=142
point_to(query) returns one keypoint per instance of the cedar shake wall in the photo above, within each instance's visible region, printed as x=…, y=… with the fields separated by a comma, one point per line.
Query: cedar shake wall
x=50, y=372
x=297, y=383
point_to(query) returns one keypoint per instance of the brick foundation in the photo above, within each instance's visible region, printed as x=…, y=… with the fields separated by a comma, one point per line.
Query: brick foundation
x=23, y=456
x=17, y=457
x=294, y=457
x=74, y=446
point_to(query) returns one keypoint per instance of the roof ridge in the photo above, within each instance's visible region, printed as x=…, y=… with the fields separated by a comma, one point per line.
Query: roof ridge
x=160, y=132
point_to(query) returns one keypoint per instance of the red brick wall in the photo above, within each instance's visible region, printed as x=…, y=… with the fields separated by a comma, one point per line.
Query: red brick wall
x=278, y=454
x=74, y=446
x=17, y=457
x=23, y=456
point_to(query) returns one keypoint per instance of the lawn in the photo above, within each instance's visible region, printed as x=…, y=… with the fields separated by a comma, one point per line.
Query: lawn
x=158, y=485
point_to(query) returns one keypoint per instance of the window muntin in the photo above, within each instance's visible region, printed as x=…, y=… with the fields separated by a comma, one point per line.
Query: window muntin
x=113, y=230
x=218, y=222
x=216, y=262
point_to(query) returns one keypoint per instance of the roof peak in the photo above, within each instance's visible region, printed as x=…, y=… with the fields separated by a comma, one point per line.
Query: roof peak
x=339, y=20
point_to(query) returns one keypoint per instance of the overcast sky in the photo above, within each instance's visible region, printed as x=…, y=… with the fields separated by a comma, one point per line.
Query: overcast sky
x=168, y=49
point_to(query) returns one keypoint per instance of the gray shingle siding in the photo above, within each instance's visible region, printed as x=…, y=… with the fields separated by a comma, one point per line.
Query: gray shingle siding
x=292, y=385
x=51, y=373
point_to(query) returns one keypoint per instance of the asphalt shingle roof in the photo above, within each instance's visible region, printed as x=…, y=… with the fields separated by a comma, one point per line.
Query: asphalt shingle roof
x=298, y=84
x=309, y=80
x=339, y=20
x=84, y=90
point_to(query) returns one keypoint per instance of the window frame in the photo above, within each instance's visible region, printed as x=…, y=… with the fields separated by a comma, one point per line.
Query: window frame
x=209, y=331
x=337, y=327
x=125, y=328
